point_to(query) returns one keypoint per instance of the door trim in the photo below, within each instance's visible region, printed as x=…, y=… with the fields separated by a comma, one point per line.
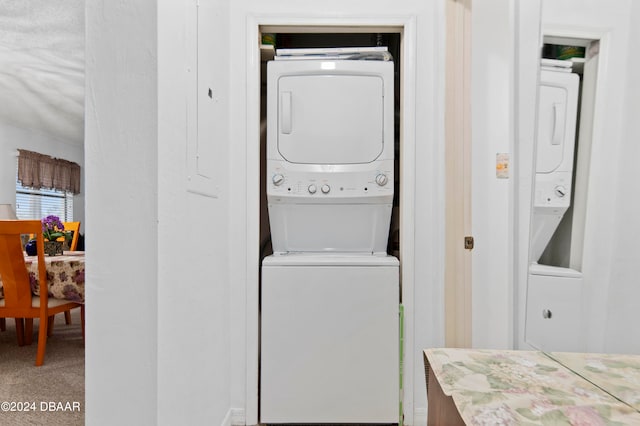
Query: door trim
x=458, y=174
x=406, y=25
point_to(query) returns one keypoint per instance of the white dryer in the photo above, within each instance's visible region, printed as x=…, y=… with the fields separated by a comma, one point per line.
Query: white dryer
x=330, y=149
x=557, y=117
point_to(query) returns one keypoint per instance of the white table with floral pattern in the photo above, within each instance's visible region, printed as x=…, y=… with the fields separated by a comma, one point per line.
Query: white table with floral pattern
x=616, y=374
x=65, y=275
x=501, y=387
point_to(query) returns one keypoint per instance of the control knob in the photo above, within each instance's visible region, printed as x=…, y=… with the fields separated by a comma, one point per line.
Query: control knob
x=560, y=191
x=382, y=179
x=277, y=179
x=312, y=189
x=325, y=189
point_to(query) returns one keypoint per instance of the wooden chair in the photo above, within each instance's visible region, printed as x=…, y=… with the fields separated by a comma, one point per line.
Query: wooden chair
x=18, y=302
x=75, y=227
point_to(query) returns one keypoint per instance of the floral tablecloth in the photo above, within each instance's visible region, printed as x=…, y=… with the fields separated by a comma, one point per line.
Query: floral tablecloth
x=65, y=276
x=618, y=375
x=499, y=387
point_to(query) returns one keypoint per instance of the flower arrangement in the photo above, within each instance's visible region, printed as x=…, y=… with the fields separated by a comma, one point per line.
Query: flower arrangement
x=52, y=228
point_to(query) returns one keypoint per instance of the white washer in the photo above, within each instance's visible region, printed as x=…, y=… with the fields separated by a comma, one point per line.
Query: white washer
x=554, y=316
x=329, y=339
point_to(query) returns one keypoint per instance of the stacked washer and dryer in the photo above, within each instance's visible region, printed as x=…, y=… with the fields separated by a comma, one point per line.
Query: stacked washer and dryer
x=554, y=310
x=330, y=293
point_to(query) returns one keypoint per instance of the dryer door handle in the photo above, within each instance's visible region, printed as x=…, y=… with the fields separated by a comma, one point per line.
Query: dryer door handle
x=285, y=112
x=558, y=123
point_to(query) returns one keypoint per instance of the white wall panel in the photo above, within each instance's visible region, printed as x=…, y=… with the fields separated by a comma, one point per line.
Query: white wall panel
x=492, y=133
x=624, y=292
x=121, y=174
x=528, y=45
x=194, y=330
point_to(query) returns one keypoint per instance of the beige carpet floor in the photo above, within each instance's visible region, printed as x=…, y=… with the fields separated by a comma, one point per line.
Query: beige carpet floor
x=54, y=392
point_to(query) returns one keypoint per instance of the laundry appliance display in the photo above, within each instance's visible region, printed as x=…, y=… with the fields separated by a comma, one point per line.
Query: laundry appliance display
x=557, y=115
x=553, y=316
x=330, y=293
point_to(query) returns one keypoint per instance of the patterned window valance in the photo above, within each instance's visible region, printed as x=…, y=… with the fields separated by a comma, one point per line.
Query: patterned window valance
x=42, y=171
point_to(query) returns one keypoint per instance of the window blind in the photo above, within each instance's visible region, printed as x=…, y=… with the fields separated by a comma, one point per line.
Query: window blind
x=37, y=203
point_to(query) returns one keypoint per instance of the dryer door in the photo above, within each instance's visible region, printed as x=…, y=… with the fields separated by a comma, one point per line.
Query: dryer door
x=330, y=119
x=557, y=109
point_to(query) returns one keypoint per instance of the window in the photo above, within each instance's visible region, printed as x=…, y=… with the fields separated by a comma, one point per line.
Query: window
x=38, y=203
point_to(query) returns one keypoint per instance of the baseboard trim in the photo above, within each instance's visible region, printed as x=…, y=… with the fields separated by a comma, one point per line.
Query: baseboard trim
x=234, y=417
x=420, y=416
x=237, y=417
x=227, y=418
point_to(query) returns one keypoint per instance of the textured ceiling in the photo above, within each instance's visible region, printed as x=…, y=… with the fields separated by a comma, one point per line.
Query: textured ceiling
x=42, y=66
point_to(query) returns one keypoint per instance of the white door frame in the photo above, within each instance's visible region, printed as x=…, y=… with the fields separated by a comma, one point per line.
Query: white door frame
x=407, y=26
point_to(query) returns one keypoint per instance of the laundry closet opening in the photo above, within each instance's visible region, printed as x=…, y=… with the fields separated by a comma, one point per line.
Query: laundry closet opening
x=330, y=191
x=295, y=37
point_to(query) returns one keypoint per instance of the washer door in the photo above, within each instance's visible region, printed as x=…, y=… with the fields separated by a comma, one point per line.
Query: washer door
x=330, y=119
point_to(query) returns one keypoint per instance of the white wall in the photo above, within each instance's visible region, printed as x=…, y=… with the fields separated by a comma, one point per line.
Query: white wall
x=492, y=118
x=528, y=44
x=194, y=301
x=121, y=151
x=620, y=333
x=13, y=138
x=158, y=289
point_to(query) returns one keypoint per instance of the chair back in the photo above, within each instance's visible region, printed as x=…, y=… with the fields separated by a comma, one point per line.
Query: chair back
x=75, y=227
x=68, y=226
x=13, y=270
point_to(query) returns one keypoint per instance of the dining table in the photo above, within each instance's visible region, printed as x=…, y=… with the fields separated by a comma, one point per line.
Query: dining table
x=65, y=275
x=516, y=387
